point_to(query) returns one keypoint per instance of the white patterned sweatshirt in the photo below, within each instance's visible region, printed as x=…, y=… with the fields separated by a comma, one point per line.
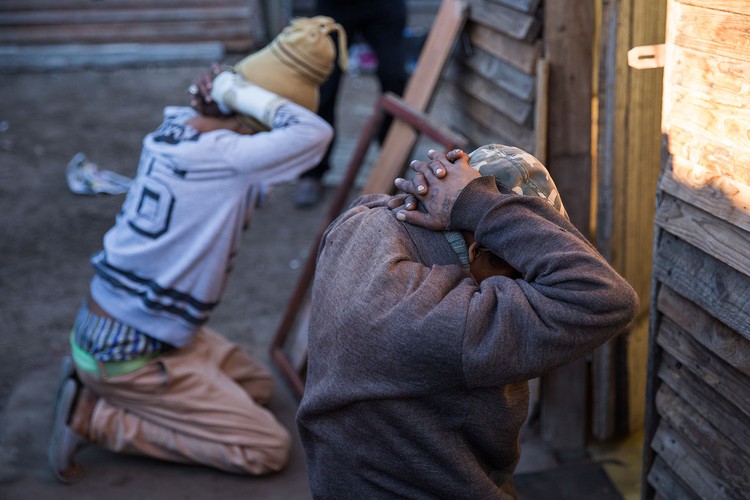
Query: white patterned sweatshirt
x=165, y=262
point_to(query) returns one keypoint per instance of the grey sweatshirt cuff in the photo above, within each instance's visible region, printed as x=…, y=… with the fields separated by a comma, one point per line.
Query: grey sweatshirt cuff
x=473, y=202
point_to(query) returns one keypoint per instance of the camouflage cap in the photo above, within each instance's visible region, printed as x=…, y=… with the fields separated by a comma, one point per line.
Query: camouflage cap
x=518, y=171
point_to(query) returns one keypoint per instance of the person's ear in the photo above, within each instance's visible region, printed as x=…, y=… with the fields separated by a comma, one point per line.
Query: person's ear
x=474, y=250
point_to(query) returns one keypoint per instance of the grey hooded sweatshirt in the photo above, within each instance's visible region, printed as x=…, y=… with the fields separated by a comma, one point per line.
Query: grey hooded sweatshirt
x=417, y=382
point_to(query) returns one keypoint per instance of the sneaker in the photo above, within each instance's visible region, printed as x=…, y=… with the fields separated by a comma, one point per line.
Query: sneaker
x=309, y=193
x=64, y=442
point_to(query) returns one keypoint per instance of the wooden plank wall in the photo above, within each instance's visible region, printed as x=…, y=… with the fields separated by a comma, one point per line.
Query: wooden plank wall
x=488, y=90
x=698, y=415
x=495, y=90
x=568, y=36
x=238, y=24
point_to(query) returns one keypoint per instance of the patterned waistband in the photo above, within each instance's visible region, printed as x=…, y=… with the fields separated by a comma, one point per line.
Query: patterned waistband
x=107, y=339
x=86, y=362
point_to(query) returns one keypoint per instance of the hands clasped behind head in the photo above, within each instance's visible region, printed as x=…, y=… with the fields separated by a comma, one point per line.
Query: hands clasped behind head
x=200, y=92
x=436, y=184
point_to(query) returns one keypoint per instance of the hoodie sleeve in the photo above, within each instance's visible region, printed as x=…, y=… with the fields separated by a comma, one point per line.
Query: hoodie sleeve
x=569, y=301
x=297, y=141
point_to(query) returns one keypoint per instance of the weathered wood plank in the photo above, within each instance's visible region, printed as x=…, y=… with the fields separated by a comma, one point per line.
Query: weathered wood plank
x=518, y=135
x=563, y=412
x=667, y=484
x=728, y=460
x=711, y=76
x=489, y=93
x=522, y=55
x=722, y=413
x=568, y=35
x=641, y=132
x=568, y=41
x=507, y=77
x=713, y=335
x=716, y=237
x=446, y=108
x=528, y=6
x=711, y=131
x=511, y=22
x=96, y=16
x=712, y=31
x=694, y=146
x=612, y=117
x=541, y=110
x=709, y=368
x=464, y=106
x=738, y=6
x=40, y=22
x=727, y=123
x=622, y=156
x=692, y=470
x=705, y=281
x=74, y=56
x=133, y=32
x=716, y=194
x=38, y=5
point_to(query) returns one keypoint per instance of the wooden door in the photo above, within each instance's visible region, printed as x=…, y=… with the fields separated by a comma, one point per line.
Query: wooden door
x=627, y=138
x=697, y=439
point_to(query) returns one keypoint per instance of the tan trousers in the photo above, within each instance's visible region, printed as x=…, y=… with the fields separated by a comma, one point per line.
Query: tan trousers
x=199, y=404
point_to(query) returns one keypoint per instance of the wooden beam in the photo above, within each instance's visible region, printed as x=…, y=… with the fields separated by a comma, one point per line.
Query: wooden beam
x=628, y=153
x=541, y=110
x=563, y=411
x=568, y=41
x=401, y=138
